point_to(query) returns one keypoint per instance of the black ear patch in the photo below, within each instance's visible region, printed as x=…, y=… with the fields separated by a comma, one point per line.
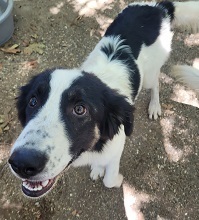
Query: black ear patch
x=37, y=86
x=22, y=103
x=117, y=112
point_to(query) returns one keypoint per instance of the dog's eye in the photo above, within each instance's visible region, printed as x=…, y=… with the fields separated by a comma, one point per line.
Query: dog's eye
x=33, y=102
x=79, y=110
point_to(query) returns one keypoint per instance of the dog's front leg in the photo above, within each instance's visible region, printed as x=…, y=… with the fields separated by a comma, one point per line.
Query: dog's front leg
x=112, y=176
x=154, y=105
x=96, y=171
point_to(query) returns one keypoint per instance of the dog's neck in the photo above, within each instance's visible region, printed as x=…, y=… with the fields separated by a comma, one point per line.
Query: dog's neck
x=112, y=72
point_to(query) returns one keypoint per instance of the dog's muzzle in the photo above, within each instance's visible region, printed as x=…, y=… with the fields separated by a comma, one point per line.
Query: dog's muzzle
x=27, y=163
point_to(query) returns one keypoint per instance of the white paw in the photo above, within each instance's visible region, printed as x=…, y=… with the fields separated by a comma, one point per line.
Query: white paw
x=154, y=110
x=114, y=182
x=96, y=172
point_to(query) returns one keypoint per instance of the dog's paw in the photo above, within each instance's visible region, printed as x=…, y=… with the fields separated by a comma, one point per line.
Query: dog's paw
x=115, y=182
x=154, y=110
x=96, y=172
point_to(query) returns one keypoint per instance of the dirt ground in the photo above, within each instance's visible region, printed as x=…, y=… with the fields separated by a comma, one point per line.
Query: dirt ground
x=161, y=159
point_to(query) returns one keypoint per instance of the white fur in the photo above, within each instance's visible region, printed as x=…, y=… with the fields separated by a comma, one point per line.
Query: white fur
x=150, y=61
x=143, y=3
x=106, y=161
x=112, y=73
x=187, y=75
x=187, y=15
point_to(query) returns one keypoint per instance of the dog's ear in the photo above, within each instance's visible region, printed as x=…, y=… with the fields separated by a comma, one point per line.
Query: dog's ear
x=117, y=112
x=22, y=103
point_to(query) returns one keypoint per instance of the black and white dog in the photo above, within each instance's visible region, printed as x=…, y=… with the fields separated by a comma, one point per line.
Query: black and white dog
x=82, y=116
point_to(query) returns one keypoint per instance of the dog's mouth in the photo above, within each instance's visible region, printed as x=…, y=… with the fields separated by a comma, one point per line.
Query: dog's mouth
x=37, y=188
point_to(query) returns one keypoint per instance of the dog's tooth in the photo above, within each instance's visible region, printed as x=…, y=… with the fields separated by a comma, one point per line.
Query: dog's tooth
x=35, y=189
x=39, y=187
x=45, y=183
x=24, y=184
x=35, y=186
x=29, y=187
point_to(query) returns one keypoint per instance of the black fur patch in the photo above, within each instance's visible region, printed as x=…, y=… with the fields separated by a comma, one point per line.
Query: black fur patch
x=127, y=59
x=106, y=109
x=137, y=25
x=37, y=87
x=169, y=9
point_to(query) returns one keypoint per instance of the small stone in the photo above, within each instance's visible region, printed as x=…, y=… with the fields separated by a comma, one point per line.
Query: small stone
x=37, y=204
x=6, y=128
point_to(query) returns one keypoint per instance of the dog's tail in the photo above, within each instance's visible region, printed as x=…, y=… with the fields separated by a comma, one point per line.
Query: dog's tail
x=186, y=15
x=187, y=75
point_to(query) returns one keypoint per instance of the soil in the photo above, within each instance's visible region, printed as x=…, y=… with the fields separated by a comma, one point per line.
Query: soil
x=160, y=163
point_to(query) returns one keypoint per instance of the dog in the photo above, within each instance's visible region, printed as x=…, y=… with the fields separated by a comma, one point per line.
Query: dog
x=82, y=116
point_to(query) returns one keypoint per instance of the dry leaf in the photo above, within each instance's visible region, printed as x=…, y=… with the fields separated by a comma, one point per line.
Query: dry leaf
x=13, y=49
x=2, y=119
x=26, y=43
x=167, y=106
x=35, y=47
x=34, y=36
x=1, y=131
x=76, y=20
x=5, y=120
x=1, y=66
x=30, y=64
x=6, y=128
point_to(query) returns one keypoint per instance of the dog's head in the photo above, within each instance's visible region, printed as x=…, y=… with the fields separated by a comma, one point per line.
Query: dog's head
x=64, y=113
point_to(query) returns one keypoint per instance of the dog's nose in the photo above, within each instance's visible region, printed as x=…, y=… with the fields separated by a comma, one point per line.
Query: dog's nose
x=27, y=162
